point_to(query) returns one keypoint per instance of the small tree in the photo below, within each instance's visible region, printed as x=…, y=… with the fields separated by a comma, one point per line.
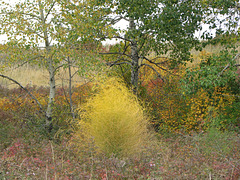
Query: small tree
x=164, y=27
x=47, y=32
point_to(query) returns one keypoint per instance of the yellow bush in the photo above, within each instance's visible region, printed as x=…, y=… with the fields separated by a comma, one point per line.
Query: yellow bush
x=205, y=108
x=116, y=119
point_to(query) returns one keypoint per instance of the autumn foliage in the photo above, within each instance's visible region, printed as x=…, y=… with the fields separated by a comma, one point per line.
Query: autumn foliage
x=176, y=110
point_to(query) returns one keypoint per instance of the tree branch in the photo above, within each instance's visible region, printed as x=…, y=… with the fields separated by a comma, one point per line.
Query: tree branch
x=33, y=97
x=157, y=64
x=153, y=70
x=49, y=11
x=118, y=53
x=39, y=35
x=27, y=61
x=116, y=20
x=125, y=47
x=228, y=65
x=123, y=38
x=31, y=15
x=116, y=63
x=152, y=60
x=27, y=14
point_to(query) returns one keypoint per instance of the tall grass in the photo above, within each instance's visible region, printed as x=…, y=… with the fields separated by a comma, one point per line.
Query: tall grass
x=34, y=75
x=116, y=119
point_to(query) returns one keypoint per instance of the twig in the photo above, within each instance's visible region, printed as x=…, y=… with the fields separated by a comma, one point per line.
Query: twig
x=125, y=39
x=20, y=166
x=49, y=11
x=117, y=61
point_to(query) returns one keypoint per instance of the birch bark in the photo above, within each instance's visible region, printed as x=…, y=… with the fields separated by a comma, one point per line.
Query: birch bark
x=134, y=57
x=51, y=71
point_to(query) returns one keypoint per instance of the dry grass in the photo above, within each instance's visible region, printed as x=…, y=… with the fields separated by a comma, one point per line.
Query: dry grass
x=37, y=76
x=209, y=49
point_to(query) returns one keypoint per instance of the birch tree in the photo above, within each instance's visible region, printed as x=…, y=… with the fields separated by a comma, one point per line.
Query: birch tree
x=47, y=32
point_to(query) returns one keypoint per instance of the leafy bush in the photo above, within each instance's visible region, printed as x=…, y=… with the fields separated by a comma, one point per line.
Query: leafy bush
x=212, y=91
x=116, y=119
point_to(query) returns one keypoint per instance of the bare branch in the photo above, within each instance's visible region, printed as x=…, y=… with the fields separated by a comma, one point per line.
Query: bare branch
x=117, y=53
x=118, y=63
x=125, y=47
x=33, y=97
x=153, y=70
x=115, y=62
x=123, y=38
x=157, y=64
x=123, y=63
x=116, y=20
x=74, y=73
x=228, y=65
x=49, y=11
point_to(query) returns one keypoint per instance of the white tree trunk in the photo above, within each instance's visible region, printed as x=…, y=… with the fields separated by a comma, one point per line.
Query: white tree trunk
x=134, y=58
x=51, y=71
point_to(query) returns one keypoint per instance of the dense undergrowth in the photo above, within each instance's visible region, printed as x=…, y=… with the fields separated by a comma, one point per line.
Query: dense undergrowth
x=179, y=127
x=27, y=152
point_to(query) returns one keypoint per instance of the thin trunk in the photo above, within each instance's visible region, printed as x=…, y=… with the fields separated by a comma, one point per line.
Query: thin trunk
x=134, y=58
x=49, y=111
x=70, y=89
x=51, y=71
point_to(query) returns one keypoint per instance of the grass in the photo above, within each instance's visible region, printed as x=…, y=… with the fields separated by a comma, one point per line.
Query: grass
x=179, y=157
x=27, y=153
x=36, y=76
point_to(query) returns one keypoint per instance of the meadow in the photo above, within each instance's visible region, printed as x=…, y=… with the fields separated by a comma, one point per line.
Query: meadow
x=29, y=152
